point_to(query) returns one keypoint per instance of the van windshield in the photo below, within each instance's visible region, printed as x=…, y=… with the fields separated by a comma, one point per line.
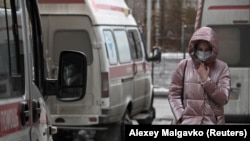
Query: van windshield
x=234, y=44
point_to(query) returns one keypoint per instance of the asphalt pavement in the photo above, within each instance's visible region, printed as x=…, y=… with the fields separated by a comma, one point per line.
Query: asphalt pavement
x=163, y=111
x=162, y=77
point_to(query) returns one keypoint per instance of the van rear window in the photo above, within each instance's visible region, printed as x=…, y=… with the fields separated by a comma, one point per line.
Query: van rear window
x=234, y=44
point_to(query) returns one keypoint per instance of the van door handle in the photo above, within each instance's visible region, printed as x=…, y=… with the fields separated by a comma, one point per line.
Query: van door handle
x=238, y=85
x=36, y=109
x=135, y=68
x=24, y=113
x=127, y=79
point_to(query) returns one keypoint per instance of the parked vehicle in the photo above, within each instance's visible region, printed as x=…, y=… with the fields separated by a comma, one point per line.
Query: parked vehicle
x=24, y=115
x=231, y=21
x=119, y=83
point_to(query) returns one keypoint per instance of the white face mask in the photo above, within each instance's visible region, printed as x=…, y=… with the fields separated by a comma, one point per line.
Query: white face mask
x=203, y=55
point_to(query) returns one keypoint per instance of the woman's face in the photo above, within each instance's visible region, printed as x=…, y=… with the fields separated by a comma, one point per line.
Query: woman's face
x=203, y=46
x=203, y=51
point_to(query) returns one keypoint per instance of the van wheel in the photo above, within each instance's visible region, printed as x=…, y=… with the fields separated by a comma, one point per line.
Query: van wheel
x=150, y=119
x=126, y=120
x=111, y=134
x=115, y=131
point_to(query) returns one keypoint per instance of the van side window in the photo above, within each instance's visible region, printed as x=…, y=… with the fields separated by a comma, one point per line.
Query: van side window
x=122, y=46
x=135, y=45
x=11, y=52
x=110, y=46
x=236, y=44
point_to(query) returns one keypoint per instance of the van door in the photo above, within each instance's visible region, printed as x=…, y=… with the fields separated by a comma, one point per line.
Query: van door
x=39, y=122
x=141, y=90
x=14, y=98
x=73, y=32
x=63, y=30
x=124, y=68
x=234, y=49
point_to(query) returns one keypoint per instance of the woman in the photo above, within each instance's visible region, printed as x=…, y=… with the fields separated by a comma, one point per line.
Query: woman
x=198, y=95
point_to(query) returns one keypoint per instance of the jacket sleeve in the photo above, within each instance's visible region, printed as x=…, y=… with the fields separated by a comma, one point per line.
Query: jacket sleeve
x=219, y=92
x=175, y=91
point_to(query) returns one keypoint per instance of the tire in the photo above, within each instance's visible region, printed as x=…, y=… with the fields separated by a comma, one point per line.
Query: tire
x=126, y=120
x=150, y=119
x=60, y=137
x=116, y=131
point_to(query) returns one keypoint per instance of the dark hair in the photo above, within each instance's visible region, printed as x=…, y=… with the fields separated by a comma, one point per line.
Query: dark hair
x=198, y=41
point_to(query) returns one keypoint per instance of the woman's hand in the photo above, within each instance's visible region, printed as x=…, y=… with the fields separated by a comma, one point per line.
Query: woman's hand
x=203, y=71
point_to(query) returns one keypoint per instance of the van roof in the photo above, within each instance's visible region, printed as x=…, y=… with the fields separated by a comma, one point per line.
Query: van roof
x=101, y=12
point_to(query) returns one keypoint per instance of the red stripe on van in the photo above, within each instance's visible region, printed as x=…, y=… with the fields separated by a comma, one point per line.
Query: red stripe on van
x=61, y=1
x=9, y=118
x=142, y=67
x=128, y=70
x=9, y=28
x=147, y=67
x=121, y=71
x=229, y=7
x=109, y=7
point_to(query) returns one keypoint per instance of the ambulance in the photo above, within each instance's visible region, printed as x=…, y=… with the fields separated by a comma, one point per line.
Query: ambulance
x=231, y=21
x=24, y=115
x=119, y=84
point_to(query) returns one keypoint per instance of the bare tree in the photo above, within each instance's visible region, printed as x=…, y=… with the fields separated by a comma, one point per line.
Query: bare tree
x=167, y=21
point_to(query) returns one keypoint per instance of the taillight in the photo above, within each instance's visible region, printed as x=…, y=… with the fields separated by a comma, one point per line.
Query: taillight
x=105, y=84
x=93, y=119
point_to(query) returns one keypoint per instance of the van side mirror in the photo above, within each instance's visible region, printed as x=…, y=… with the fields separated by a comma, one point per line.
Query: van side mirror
x=156, y=55
x=72, y=76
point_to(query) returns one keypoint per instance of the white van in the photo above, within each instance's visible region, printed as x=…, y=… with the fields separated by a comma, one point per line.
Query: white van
x=119, y=84
x=23, y=113
x=231, y=21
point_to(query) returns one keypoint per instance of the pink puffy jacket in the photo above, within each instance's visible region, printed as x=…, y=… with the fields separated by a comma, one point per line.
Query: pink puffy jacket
x=202, y=104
